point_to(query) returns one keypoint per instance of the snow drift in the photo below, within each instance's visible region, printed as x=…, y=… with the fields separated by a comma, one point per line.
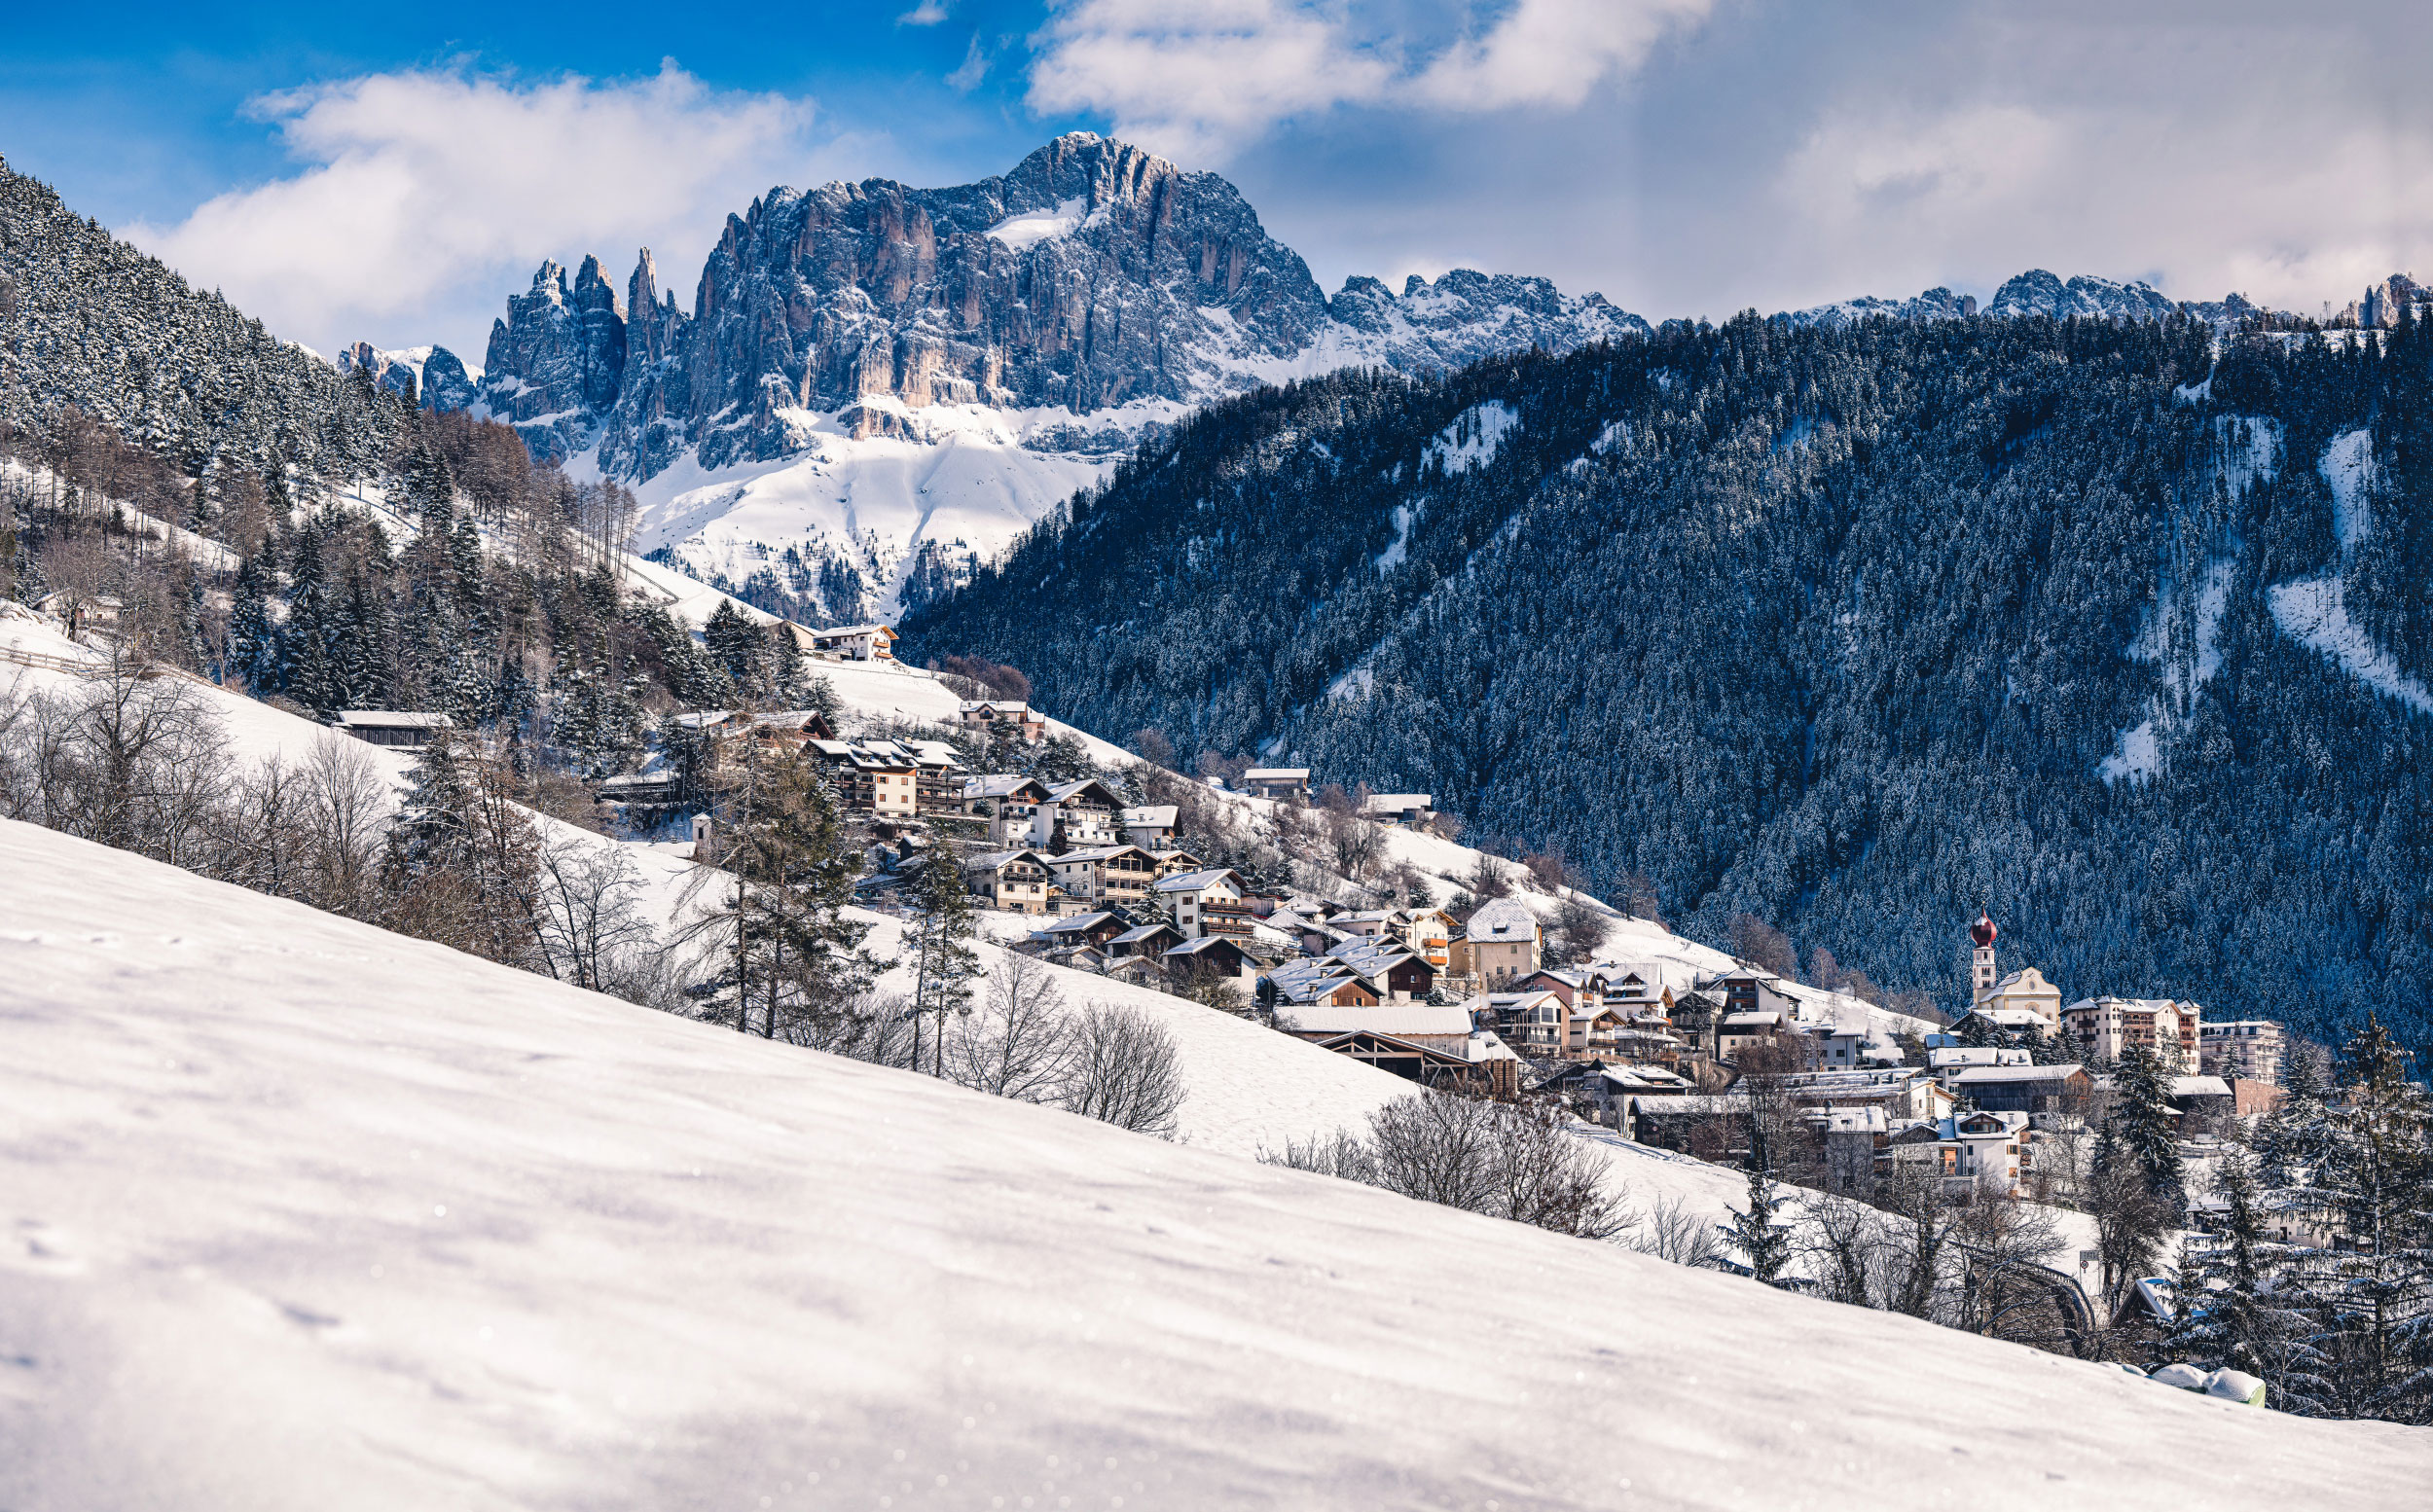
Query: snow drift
x=303, y=1214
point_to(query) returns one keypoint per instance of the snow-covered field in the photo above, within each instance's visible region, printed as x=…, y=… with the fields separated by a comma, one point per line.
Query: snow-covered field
x=305, y=1215
x=966, y=478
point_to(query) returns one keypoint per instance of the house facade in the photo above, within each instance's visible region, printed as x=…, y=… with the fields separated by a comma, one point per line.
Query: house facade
x=1276, y=782
x=2244, y=1050
x=1500, y=941
x=856, y=642
x=2103, y=1029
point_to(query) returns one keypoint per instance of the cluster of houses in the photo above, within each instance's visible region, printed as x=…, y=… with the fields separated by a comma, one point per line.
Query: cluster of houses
x=1668, y=1054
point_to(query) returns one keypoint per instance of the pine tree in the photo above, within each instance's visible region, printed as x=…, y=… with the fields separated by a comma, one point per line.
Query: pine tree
x=782, y=658
x=786, y=877
x=736, y=647
x=253, y=652
x=464, y=860
x=1765, y=1244
x=2378, y=1175
x=937, y=936
x=2142, y=1107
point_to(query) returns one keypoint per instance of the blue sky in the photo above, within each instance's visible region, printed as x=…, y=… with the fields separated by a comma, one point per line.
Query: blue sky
x=392, y=172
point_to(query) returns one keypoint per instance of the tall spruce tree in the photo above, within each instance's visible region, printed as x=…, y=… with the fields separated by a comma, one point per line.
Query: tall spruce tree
x=937, y=937
x=1763, y=1242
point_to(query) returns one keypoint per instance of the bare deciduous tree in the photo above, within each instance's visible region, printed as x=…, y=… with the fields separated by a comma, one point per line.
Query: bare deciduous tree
x=1015, y=1042
x=1125, y=1070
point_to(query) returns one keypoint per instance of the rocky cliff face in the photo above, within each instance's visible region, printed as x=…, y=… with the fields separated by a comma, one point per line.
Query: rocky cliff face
x=1093, y=276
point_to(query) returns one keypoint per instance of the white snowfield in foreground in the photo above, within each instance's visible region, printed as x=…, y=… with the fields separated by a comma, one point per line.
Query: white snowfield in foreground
x=299, y=1214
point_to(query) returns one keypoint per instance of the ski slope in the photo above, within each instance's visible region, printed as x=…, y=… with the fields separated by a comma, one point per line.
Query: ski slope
x=305, y=1215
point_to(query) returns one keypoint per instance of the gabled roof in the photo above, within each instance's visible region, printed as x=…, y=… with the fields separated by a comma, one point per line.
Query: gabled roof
x=1195, y=881
x=1203, y=944
x=994, y=705
x=1400, y=1020
x=1098, y=854
x=392, y=719
x=1068, y=792
x=2003, y=1075
x=1003, y=784
x=1501, y=920
x=1276, y=773
x=838, y=631
x=1000, y=858
x=1080, y=923
x=1374, y=955
x=1151, y=816
x=1144, y=933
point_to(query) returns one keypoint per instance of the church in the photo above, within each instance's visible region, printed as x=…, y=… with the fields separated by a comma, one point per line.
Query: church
x=2021, y=1000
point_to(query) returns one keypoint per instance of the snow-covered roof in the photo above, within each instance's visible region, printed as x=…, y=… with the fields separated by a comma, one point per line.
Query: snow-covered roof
x=1196, y=881
x=1276, y=775
x=1142, y=933
x=2200, y=1087
x=392, y=719
x=2003, y=1075
x=994, y=705
x=1080, y=923
x=844, y=631
x=1000, y=784
x=997, y=858
x=1150, y=816
x=1501, y=920
x=1201, y=945
x=1400, y=1020
x=1373, y=955
x=1397, y=802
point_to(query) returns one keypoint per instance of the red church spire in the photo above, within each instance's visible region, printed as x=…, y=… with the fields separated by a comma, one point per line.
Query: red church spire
x=1983, y=930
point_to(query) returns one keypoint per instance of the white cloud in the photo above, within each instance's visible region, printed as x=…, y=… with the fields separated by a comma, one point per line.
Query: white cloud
x=929, y=13
x=1550, y=52
x=2123, y=187
x=1203, y=77
x=429, y=194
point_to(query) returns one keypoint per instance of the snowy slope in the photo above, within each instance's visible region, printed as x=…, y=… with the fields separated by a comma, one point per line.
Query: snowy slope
x=305, y=1215
x=964, y=479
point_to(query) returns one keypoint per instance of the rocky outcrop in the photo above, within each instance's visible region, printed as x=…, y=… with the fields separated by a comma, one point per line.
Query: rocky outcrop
x=446, y=385
x=1091, y=275
x=2037, y=292
x=1937, y=304
x=557, y=361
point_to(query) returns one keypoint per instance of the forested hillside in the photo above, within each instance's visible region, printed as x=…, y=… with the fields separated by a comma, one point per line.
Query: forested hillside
x=87, y=321
x=1855, y=629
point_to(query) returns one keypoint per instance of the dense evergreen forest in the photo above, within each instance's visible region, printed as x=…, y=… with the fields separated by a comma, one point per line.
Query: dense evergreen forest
x=1855, y=629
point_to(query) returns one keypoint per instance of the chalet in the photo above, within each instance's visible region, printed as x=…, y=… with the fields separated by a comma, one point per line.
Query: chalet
x=1736, y=1032
x=1107, y=875
x=856, y=642
x=1209, y=955
x=2022, y=1089
x=392, y=727
x=1078, y=814
x=1095, y=929
x=1501, y=942
x=1613, y=1031
x=1370, y=924
x=1321, y=984
x=1639, y=986
x=1902, y=1092
x=1534, y=1024
x=885, y=782
x=1206, y=903
x=1601, y=1091
x=1150, y=940
x=1009, y=802
x=1151, y=827
x=1015, y=879
x=1390, y=969
x=1276, y=782
x=1570, y=985
x=1019, y=719
x=1431, y=932
x=1411, y=810
x=1942, y=1059
x=1751, y=990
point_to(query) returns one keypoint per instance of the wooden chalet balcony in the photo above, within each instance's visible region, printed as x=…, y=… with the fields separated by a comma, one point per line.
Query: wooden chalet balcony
x=1227, y=919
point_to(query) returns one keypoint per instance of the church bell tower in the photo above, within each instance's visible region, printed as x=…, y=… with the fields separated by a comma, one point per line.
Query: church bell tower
x=1981, y=958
